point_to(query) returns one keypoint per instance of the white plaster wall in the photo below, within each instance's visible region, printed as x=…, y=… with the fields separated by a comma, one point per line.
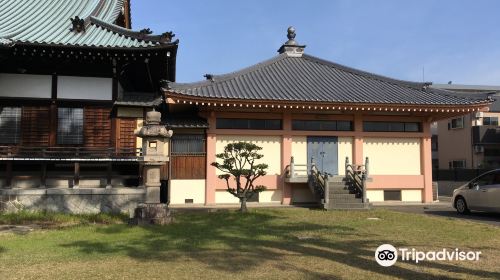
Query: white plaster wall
x=69, y=87
x=344, y=150
x=393, y=156
x=138, y=140
x=128, y=112
x=187, y=189
x=299, y=153
x=270, y=196
x=411, y=195
x=271, y=149
x=222, y=197
x=375, y=195
x=22, y=85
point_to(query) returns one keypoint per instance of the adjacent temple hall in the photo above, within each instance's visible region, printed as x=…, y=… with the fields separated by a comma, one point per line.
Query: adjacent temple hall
x=75, y=89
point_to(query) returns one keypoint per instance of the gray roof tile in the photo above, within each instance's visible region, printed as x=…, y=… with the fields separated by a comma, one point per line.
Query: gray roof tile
x=311, y=79
x=48, y=22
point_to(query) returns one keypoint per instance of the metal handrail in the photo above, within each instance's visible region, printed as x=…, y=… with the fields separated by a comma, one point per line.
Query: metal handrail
x=320, y=182
x=356, y=175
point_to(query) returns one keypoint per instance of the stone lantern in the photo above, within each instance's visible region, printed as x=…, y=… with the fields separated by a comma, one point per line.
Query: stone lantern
x=154, y=153
x=155, y=140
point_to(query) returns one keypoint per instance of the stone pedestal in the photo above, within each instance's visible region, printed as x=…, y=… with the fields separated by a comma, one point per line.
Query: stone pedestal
x=152, y=214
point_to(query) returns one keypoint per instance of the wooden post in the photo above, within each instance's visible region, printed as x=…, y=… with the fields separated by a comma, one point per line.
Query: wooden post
x=109, y=171
x=292, y=168
x=76, y=179
x=8, y=175
x=43, y=175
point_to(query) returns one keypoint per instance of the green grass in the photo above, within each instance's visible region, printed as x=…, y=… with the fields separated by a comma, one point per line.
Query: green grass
x=263, y=244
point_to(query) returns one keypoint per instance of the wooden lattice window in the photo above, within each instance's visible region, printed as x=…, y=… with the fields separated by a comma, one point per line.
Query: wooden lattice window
x=35, y=126
x=127, y=138
x=97, y=128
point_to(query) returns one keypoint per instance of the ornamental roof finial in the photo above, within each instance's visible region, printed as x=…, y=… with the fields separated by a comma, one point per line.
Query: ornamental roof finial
x=291, y=47
x=291, y=36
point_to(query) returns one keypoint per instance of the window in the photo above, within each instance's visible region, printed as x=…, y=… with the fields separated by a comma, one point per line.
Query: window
x=70, y=126
x=10, y=125
x=248, y=124
x=392, y=127
x=392, y=195
x=434, y=143
x=457, y=164
x=321, y=125
x=456, y=123
x=485, y=180
x=490, y=121
x=188, y=144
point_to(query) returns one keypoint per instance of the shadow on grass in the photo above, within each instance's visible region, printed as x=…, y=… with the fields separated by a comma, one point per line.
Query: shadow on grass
x=234, y=242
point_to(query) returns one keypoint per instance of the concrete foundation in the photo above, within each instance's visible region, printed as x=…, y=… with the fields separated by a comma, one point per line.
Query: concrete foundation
x=76, y=201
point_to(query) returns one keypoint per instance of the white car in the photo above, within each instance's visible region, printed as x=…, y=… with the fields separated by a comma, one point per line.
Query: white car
x=482, y=193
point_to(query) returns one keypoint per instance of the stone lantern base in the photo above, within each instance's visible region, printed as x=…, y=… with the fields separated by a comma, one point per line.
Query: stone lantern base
x=152, y=214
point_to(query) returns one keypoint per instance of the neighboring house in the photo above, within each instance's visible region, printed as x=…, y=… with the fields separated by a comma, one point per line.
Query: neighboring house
x=471, y=141
x=297, y=105
x=75, y=83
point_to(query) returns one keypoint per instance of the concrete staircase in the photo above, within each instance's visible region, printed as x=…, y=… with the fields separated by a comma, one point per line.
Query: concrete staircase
x=341, y=196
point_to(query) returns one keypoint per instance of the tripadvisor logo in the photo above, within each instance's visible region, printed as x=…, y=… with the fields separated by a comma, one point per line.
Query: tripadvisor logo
x=387, y=255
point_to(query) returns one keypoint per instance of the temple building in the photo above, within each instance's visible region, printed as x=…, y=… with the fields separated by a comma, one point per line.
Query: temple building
x=304, y=111
x=75, y=83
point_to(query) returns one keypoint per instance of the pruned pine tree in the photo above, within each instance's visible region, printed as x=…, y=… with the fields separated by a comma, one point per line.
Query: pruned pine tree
x=240, y=164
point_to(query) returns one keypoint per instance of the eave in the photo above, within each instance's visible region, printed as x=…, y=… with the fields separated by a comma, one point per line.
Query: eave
x=433, y=110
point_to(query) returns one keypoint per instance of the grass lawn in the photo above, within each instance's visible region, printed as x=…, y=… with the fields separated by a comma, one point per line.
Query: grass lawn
x=263, y=244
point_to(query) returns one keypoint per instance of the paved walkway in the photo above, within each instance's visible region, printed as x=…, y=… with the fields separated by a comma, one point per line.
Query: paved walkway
x=443, y=208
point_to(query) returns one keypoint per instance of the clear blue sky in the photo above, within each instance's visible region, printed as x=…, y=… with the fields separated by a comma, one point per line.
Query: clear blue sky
x=453, y=40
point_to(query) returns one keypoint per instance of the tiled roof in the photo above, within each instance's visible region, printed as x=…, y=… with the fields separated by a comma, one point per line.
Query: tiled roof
x=185, y=122
x=139, y=99
x=305, y=78
x=48, y=22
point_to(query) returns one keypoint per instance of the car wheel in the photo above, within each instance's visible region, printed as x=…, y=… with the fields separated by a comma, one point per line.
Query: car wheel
x=461, y=206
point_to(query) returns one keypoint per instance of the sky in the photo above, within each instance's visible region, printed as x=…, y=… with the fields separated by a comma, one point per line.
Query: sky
x=432, y=40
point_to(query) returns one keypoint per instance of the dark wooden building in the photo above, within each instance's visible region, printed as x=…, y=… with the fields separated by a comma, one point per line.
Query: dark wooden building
x=75, y=82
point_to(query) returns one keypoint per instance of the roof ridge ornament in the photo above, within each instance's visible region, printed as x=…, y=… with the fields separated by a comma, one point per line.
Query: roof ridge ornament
x=78, y=24
x=291, y=47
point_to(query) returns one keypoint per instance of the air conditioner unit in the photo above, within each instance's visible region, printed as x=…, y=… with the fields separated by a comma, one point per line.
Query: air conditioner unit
x=478, y=115
x=479, y=149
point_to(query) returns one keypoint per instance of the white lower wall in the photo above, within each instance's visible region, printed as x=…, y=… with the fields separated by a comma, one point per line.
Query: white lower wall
x=180, y=190
x=375, y=195
x=271, y=196
x=411, y=195
x=222, y=197
x=406, y=195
